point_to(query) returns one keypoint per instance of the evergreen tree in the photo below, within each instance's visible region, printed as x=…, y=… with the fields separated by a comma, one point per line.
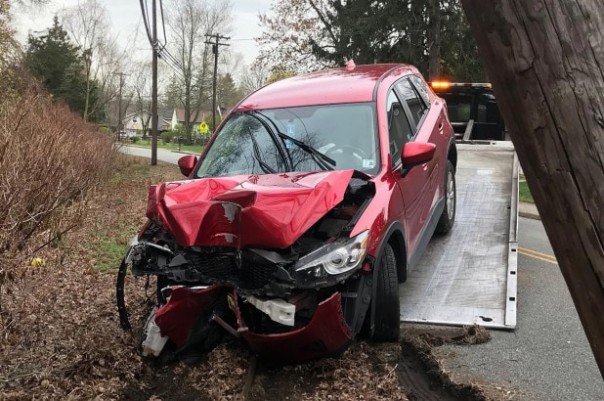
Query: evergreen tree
x=227, y=92
x=317, y=33
x=59, y=65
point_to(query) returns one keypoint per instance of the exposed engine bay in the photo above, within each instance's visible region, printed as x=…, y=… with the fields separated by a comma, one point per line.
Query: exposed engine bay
x=290, y=303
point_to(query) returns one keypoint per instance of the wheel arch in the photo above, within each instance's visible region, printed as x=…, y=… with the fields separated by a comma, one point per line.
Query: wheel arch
x=452, y=154
x=395, y=237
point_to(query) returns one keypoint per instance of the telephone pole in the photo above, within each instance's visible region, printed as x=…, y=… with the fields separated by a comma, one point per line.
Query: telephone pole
x=215, y=45
x=152, y=36
x=545, y=62
x=154, y=116
x=119, y=104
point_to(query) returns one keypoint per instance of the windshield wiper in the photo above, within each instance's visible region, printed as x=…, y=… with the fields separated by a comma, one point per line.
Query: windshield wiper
x=265, y=167
x=326, y=162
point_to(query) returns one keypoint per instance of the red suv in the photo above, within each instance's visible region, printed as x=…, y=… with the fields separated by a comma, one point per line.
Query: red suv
x=300, y=218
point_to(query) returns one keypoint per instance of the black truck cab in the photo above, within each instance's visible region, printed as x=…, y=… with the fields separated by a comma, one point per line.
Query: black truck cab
x=473, y=110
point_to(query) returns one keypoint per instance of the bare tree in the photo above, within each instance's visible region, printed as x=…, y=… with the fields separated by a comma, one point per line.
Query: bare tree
x=141, y=93
x=289, y=29
x=88, y=25
x=256, y=76
x=188, y=22
x=544, y=58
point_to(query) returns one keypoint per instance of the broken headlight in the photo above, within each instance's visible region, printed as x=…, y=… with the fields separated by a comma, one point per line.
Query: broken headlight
x=333, y=262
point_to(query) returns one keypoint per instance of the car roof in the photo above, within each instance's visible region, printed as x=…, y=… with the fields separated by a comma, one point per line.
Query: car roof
x=333, y=86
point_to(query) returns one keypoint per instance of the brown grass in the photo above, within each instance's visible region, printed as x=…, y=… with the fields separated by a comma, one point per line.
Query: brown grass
x=50, y=161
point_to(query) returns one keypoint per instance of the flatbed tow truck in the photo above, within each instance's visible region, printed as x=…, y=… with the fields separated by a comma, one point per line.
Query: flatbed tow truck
x=469, y=276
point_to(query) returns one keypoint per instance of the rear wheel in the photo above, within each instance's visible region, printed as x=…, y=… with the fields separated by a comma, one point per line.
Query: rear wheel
x=448, y=217
x=387, y=303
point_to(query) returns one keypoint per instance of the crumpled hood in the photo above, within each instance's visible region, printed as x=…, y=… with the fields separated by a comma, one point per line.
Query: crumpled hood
x=267, y=211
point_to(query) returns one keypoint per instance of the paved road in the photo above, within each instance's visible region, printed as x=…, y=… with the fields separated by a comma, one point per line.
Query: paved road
x=164, y=155
x=547, y=357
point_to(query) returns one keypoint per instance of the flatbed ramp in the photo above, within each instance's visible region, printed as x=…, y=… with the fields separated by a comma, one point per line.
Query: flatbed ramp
x=469, y=275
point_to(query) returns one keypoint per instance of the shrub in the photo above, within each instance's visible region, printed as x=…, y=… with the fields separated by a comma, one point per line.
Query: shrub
x=49, y=162
x=167, y=136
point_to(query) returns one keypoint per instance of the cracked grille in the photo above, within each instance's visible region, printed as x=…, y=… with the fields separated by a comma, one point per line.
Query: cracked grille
x=223, y=268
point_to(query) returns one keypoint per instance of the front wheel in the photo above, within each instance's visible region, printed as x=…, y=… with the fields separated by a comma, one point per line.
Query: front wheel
x=445, y=223
x=387, y=303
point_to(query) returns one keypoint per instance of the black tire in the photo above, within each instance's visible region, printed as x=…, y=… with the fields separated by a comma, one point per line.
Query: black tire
x=387, y=304
x=447, y=218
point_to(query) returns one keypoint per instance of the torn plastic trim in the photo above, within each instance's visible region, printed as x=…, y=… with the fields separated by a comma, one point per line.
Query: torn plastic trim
x=154, y=342
x=277, y=309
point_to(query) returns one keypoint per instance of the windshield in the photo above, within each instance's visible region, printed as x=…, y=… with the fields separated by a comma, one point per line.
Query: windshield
x=324, y=137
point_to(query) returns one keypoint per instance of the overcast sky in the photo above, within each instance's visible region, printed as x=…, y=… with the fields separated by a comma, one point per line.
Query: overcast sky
x=125, y=16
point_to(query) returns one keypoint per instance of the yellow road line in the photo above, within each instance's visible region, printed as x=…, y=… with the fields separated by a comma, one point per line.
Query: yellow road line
x=531, y=253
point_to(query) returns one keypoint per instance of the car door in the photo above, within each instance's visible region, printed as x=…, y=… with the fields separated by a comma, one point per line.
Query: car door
x=420, y=185
x=408, y=183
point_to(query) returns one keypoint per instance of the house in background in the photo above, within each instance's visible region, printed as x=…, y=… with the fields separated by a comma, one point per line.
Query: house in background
x=178, y=117
x=135, y=123
x=140, y=123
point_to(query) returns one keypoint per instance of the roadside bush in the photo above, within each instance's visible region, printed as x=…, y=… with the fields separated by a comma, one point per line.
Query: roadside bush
x=50, y=160
x=168, y=136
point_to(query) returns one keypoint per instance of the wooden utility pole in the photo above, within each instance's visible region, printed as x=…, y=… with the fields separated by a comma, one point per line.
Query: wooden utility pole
x=546, y=61
x=152, y=36
x=154, y=117
x=215, y=46
x=120, y=117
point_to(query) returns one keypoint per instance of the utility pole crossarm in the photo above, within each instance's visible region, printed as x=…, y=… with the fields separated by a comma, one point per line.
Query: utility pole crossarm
x=215, y=46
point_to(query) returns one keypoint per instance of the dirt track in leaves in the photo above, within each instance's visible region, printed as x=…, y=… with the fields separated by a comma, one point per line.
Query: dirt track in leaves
x=60, y=336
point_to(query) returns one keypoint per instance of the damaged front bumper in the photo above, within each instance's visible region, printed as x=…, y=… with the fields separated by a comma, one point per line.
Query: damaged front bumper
x=191, y=317
x=309, y=309
x=294, y=285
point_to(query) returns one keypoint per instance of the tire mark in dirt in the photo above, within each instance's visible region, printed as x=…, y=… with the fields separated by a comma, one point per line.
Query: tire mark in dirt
x=418, y=383
x=420, y=371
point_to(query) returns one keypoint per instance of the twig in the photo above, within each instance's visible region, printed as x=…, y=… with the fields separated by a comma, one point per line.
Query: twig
x=249, y=378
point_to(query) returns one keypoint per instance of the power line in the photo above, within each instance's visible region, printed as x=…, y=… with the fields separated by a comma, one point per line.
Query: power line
x=143, y=4
x=168, y=56
x=163, y=21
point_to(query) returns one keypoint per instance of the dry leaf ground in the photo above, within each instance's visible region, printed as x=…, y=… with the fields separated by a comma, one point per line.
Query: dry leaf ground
x=60, y=335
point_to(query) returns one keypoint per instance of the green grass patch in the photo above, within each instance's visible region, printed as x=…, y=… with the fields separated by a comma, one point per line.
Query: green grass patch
x=133, y=171
x=524, y=193
x=110, y=247
x=169, y=146
x=139, y=170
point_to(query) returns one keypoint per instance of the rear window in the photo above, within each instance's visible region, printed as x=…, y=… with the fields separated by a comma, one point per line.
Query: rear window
x=459, y=106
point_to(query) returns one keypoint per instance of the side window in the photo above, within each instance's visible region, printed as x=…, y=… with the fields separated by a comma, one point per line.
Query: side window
x=421, y=88
x=413, y=100
x=398, y=127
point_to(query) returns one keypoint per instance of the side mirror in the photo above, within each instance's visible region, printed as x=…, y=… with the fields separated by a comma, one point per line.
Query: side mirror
x=186, y=164
x=416, y=153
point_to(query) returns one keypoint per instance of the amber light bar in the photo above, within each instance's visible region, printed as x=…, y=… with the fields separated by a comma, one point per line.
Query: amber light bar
x=446, y=84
